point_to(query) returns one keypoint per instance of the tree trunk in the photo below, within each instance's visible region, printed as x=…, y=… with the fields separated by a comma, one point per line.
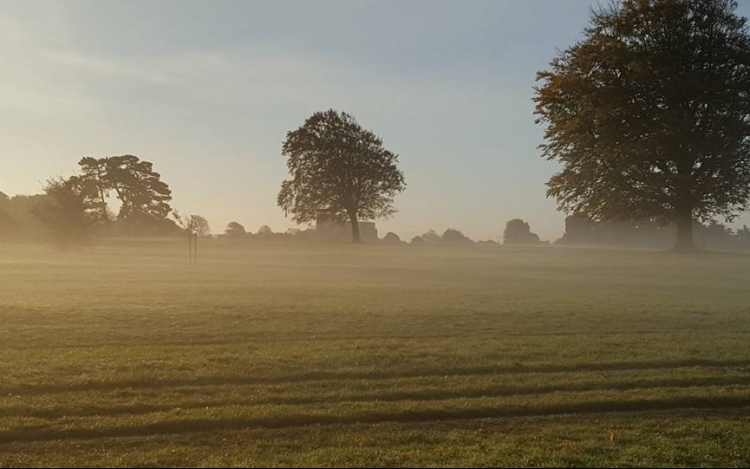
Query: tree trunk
x=684, y=222
x=102, y=198
x=356, y=238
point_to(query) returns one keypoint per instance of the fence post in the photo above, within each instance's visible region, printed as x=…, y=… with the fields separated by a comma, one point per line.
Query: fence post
x=195, y=247
x=192, y=247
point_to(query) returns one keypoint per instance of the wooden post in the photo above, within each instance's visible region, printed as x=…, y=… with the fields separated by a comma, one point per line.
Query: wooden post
x=195, y=248
x=190, y=247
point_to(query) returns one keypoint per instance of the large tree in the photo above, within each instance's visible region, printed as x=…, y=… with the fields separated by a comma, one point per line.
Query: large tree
x=339, y=171
x=650, y=114
x=144, y=197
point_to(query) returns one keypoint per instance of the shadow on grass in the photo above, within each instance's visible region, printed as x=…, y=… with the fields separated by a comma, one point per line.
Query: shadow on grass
x=197, y=425
x=486, y=391
x=155, y=383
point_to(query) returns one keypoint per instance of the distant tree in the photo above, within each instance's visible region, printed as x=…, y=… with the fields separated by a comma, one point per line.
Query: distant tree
x=307, y=234
x=455, y=237
x=8, y=225
x=391, y=238
x=716, y=236
x=339, y=171
x=144, y=197
x=25, y=224
x=431, y=237
x=578, y=230
x=235, y=230
x=198, y=224
x=67, y=213
x=193, y=224
x=265, y=230
x=518, y=231
x=418, y=240
x=743, y=238
x=650, y=114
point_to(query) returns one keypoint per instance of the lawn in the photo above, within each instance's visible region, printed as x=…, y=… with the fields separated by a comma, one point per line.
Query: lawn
x=272, y=354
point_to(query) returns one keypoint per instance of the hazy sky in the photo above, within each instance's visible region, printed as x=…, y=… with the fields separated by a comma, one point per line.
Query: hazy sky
x=207, y=90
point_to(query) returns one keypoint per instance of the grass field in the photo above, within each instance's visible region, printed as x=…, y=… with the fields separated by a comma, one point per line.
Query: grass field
x=291, y=355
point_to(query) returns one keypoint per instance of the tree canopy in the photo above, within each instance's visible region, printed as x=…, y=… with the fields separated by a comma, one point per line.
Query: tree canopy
x=454, y=236
x=391, y=238
x=265, y=230
x=144, y=197
x=650, y=114
x=194, y=224
x=518, y=231
x=235, y=230
x=339, y=171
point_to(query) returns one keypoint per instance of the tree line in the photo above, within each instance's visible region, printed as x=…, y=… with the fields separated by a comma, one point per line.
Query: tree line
x=648, y=115
x=76, y=209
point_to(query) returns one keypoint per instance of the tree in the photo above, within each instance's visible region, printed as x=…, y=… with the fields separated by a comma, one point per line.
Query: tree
x=339, y=171
x=650, y=115
x=716, y=236
x=235, y=230
x=431, y=237
x=193, y=224
x=265, y=230
x=418, y=241
x=67, y=213
x=578, y=230
x=454, y=236
x=391, y=238
x=518, y=231
x=199, y=225
x=144, y=197
x=22, y=210
x=94, y=173
x=8, y=224
x=743, y=238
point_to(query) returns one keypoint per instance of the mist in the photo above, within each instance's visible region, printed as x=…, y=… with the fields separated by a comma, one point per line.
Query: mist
x=374, y=233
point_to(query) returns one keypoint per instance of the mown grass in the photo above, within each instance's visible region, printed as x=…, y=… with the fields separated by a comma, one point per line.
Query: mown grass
x=292, y=355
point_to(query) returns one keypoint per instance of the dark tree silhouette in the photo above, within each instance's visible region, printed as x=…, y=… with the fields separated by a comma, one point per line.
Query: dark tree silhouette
x=391, y=238
x=650, y=115
x=578, y=229
x=235, y=230
x=339, y=171
x=454, y=236
x=743, y=238
x=144, y=197
x=67, y=213
x=518, y=231
x=96, y=179
x=418, y=240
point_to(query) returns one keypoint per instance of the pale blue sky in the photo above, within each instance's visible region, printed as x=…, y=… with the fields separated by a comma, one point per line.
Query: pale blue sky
x=207, y=90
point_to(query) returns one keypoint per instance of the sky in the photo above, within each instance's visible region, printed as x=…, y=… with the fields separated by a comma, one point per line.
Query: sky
x=207, y=90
